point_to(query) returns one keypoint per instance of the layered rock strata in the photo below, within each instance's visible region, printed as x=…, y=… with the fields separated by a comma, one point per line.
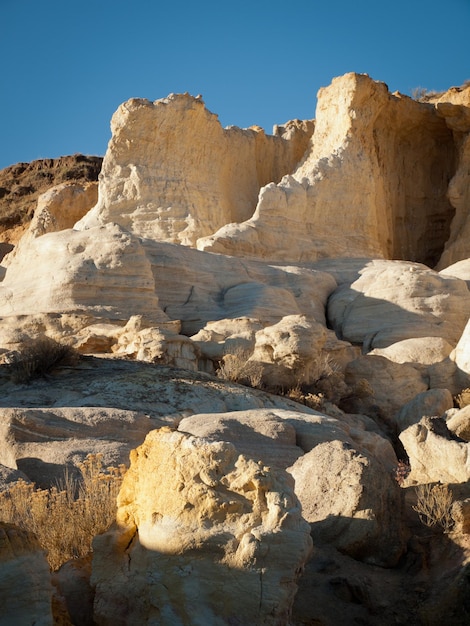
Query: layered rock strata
x=172, y=173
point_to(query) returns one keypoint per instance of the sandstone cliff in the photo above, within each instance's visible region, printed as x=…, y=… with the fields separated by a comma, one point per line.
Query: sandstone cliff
x=172, y=173
x=300, y=263
x=373, y=183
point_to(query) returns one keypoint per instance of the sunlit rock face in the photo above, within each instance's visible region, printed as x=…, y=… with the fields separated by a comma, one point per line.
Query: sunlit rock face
x=172, y=173
x=373, y=183
x=203, y=535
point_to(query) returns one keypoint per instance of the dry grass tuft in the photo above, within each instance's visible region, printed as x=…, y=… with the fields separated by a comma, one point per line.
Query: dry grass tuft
x=433, y=505
x=38, y=357
x=66, y=518
x=238, y=368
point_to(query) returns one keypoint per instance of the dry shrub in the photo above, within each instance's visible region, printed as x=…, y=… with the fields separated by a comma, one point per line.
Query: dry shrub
x=401, y=472
x=66, y=518
x=433, y=505
x=238, y=368
x=421, y=94
x=38, y=357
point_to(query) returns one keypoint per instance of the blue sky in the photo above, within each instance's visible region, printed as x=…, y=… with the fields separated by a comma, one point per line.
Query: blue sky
x=67, y=65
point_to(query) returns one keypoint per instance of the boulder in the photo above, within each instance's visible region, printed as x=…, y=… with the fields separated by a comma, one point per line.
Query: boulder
x=424, y=350
x=156, y=345
x=266, y=436
x=396, y=300
x=435, y=454
x=102, y=273
x=203, y=535
x=25, y=582
x=432, y=403
x=389, y=386
x=351, y=502
x=294, y=349
x=278, y=436
x=8, y=476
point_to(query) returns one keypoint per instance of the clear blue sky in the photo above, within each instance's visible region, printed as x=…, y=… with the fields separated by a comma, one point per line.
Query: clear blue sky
x=66, y=65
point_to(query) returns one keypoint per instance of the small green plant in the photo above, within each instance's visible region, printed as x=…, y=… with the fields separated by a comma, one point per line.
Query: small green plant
x=433, y=505
x=38, y=357
x=66, y=518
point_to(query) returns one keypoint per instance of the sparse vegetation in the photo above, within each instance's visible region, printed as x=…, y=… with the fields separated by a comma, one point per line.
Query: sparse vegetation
x=238, y=368
x=433, y=505
x=421, y=94
x=38, y=357
x=66, y=518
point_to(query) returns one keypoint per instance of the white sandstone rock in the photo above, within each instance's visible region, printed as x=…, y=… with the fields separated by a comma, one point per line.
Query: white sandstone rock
x=351, y=502
x=397, y=300
x=198, y=529
x=424, y=350
x=436, y=455
x=391, y=386
x=172, y=173
x=102, y=273
x=432, y=403
x=363, y=188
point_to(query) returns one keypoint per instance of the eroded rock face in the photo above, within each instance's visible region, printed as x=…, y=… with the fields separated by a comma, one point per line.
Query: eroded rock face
x=373, y=183
x=454, y=107
x=198, y=528
x=172, y=173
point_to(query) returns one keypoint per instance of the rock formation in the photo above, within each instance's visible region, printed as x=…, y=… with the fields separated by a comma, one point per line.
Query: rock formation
x=23, y=183
x=373, y=183
x=172, y=173
x=222, y=535
x=301, y=263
